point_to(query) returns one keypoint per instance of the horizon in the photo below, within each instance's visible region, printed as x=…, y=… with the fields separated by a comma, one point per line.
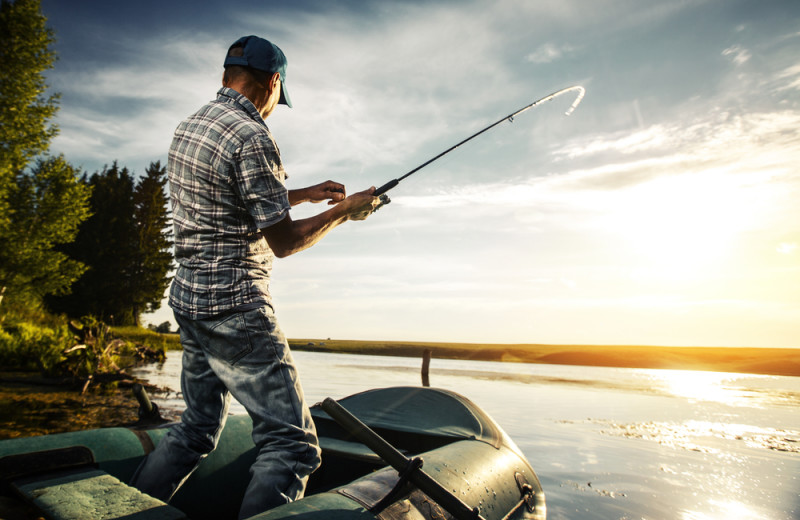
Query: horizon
x=662, y=212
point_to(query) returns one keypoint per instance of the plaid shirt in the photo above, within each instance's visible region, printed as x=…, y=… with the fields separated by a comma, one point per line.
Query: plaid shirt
x=226, y=182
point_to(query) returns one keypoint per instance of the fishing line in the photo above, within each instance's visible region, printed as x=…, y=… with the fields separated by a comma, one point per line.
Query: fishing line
x=510, y=118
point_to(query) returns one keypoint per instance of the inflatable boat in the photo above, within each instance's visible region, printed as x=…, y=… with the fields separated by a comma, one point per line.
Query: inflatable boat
x=391, y=453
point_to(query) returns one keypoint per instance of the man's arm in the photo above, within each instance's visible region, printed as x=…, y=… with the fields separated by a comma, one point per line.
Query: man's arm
x=331, y=191
x=291, y=236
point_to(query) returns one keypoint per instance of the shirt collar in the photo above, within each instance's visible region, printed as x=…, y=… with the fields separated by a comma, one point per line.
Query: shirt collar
x=228, y=95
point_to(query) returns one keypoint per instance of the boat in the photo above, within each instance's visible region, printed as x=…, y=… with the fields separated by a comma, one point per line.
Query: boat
x=389, y=453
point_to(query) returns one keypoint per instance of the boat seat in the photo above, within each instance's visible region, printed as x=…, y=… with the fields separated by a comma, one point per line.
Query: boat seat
x=73, y=494
x=66, y=483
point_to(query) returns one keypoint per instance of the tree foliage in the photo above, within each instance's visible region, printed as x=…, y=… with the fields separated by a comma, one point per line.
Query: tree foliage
x=153, y=258
x=46, y=206
x=40, y=207
x=25, y=110
x=126, y=245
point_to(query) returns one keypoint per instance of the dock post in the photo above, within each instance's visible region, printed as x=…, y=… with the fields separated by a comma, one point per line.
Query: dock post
x=426, y=365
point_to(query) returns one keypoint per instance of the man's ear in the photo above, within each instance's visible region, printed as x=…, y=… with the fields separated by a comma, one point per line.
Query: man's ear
x=273, y=81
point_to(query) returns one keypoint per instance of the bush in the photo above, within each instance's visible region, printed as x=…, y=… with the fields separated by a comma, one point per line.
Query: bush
x=32, y=346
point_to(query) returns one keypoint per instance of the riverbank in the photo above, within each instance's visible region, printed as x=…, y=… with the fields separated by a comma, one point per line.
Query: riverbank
x=32, y=405
x=745, y=360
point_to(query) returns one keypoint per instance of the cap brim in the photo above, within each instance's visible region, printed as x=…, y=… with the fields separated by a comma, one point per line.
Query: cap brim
x=285, y=100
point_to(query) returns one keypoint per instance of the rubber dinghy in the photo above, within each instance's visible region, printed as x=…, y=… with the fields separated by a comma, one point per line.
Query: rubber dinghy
x=432, y=454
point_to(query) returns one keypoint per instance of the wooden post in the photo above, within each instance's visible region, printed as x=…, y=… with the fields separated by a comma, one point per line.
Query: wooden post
x=426, y=364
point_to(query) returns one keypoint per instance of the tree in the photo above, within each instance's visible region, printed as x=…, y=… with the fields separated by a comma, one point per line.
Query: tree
x=106, y=242
x=126, y=244
x=153, y=259
x=46, y=207
x=25, y=112
x=39, y=207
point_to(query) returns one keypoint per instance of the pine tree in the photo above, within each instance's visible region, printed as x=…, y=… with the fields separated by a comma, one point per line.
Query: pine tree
x=106, y=242
x=126, y=244
x=153, y=260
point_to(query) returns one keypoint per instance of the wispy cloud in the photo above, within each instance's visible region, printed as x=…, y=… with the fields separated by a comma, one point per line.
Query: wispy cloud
x=737, y=54
x=549, y=52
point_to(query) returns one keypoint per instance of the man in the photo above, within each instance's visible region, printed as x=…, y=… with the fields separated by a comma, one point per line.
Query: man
x=231, y=216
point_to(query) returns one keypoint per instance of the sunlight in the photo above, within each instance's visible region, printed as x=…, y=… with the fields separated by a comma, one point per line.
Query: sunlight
x=723, y=511
x=683, y=226
x=699, y=386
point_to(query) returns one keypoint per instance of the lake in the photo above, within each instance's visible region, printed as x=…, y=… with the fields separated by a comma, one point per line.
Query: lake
x=610, y=443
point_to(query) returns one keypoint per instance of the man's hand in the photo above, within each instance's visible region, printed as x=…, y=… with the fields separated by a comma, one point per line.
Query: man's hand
x=361, y=205
x=333, y=192
x=288, y=236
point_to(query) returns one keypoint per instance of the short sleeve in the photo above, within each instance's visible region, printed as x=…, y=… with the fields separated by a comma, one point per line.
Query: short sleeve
x=259, y=179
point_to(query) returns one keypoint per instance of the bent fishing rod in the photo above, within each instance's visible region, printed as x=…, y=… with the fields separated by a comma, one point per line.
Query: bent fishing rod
x=510, y=117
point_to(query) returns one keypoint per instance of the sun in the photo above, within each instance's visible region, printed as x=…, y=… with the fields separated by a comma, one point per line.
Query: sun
x=681, y=226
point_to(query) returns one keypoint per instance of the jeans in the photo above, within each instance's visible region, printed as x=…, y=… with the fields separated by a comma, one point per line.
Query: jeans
x=246, y=355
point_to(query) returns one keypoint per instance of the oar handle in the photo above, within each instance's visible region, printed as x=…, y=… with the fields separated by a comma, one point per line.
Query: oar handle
x=398, y=461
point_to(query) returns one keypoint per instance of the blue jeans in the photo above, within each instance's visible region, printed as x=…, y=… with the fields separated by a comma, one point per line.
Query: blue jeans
x=244, y=354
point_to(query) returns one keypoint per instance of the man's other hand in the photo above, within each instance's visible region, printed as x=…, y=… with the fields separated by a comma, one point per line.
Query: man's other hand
x=333, y=192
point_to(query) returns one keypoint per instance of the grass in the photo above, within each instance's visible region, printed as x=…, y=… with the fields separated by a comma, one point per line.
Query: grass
x=771, y=361
x=148, y=337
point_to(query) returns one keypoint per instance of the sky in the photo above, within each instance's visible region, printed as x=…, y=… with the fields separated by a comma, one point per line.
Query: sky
x=663, y=211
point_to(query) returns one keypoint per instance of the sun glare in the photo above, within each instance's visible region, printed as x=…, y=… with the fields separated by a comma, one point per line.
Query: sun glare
x=680, y=226
x=702, y=386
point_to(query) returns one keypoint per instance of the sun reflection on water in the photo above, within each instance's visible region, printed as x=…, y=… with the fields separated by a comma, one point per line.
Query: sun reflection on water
x=720, y=387
x=723, y=510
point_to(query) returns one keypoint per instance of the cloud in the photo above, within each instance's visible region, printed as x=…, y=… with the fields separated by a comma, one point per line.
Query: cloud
x=737, y=54
x=549, y=52
x=786, y=248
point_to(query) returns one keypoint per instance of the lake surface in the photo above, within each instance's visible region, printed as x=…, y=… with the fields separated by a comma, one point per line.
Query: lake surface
x=609, y=443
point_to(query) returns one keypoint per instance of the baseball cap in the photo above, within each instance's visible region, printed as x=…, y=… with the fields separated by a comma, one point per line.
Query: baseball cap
x=262, y=55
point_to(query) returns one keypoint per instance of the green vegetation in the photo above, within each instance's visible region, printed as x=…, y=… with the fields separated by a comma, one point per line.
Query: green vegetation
x=126, y=246
x=40, y=207
x=148, y=337
x=83, y=246
x=38, y=341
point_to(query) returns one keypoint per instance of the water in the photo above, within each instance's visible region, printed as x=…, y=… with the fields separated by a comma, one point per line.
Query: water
x=609, y=443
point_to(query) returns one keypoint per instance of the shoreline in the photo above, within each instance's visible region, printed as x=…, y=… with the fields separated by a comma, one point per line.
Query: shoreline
x=31, y=405
x=748, y=360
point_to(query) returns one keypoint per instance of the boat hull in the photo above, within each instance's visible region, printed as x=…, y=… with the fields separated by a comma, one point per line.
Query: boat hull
x=458, y=445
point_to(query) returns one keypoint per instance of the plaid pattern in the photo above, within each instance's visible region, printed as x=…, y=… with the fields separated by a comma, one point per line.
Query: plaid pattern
x=226, y=182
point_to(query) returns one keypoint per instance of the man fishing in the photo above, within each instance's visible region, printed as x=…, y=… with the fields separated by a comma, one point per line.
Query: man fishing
x=231, y=213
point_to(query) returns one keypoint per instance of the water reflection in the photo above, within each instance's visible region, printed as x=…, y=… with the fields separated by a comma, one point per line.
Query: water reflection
x=702, y=386
x=724, y=510
x=669, y=444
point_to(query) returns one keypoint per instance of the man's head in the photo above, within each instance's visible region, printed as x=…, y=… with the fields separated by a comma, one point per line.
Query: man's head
x=256, y=59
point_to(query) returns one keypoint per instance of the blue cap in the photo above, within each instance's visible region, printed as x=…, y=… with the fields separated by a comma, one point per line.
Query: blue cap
x=262, y=55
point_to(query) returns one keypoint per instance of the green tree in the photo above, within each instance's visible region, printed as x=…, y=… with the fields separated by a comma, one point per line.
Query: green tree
x=106, y=242
x=126, y=244
x=25, y=111
x=153, y=259
x=39, y=207
x=46, y=206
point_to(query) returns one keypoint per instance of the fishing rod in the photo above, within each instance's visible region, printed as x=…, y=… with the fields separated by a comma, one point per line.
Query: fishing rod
x=510, y=117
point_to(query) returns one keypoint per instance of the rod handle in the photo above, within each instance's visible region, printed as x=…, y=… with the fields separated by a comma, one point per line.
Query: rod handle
x=386, y=187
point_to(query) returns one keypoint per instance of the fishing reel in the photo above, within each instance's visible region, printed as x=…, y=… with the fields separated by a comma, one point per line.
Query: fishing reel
x=384, y=201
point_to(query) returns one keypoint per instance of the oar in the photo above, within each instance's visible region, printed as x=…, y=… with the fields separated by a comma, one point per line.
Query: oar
x=400, y=462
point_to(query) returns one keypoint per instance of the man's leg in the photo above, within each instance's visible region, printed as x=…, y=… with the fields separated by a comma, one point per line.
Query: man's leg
x=180, y=451
x=265, y=381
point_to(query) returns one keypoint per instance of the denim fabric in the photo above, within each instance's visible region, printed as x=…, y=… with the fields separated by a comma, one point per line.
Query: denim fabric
x=246, y=355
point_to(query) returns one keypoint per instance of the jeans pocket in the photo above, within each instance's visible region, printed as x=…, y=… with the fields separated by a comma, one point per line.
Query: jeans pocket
x=228, y=339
